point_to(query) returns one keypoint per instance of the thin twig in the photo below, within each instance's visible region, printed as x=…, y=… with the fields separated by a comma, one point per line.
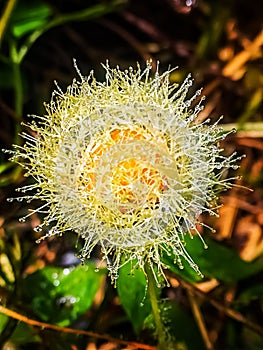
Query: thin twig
x=235, y=315
x=250, y=129
x=248, y=142
x=243, y=57
x=5, y=17
x=43, y=325
x=199, y=320
x=137, y=45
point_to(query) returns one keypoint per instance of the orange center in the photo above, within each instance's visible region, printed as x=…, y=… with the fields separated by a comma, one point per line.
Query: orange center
x=132, y=181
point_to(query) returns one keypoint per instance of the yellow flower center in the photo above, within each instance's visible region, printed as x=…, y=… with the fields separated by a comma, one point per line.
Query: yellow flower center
x=118, y=171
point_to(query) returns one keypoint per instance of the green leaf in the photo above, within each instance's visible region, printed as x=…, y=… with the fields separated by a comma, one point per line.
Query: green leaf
x=132, y=291
x=217, y=261
x=9, y=173
x=28, y=17
x=181, y=325
x=60, y=295
x=24, y=334
x=3, y=321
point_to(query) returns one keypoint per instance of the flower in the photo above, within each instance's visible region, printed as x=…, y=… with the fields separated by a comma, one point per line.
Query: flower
x=125, y=165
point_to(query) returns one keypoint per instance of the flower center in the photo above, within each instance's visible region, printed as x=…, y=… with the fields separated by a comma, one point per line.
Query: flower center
x=136, y=183
x=122, y=171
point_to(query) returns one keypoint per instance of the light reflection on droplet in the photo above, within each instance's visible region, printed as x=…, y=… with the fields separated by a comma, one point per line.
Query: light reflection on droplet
x=66, y=271
x=56, y=283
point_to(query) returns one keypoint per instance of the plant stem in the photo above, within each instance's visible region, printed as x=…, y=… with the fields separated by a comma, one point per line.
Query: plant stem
x=60, y=329
x=199, y=320
x=160, y=330
x=5, y=17
x=89, y=13
x=250, y=129
x=18, y=89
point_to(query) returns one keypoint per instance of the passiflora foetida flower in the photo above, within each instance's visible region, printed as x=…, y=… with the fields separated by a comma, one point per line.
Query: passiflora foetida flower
x=125, y=165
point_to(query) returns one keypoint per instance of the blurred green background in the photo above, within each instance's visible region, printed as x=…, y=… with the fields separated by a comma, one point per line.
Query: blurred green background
x=220, y=43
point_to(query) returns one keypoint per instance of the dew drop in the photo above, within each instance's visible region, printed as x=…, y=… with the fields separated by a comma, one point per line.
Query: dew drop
x=56, y=283
x=66, y=271
x=22, y=220
x=73, y=300
x=10, y=200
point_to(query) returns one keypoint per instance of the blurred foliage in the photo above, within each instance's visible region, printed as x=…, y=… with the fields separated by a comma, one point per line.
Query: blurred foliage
x=217, y=262
x=55, y=294
x=132, y=293
x=220, y=42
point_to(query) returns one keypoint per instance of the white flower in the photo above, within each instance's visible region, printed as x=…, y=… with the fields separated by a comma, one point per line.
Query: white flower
x=124, y=164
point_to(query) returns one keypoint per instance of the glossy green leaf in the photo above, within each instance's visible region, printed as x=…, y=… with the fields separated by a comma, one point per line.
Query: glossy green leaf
x=28, y=17
x=60, y=295
x=131, y=287
x=216, y=261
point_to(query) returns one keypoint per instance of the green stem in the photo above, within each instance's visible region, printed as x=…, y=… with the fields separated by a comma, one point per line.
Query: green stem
x=18, y=90
x=89, y=13
x=5, y=17
x=160, y=330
